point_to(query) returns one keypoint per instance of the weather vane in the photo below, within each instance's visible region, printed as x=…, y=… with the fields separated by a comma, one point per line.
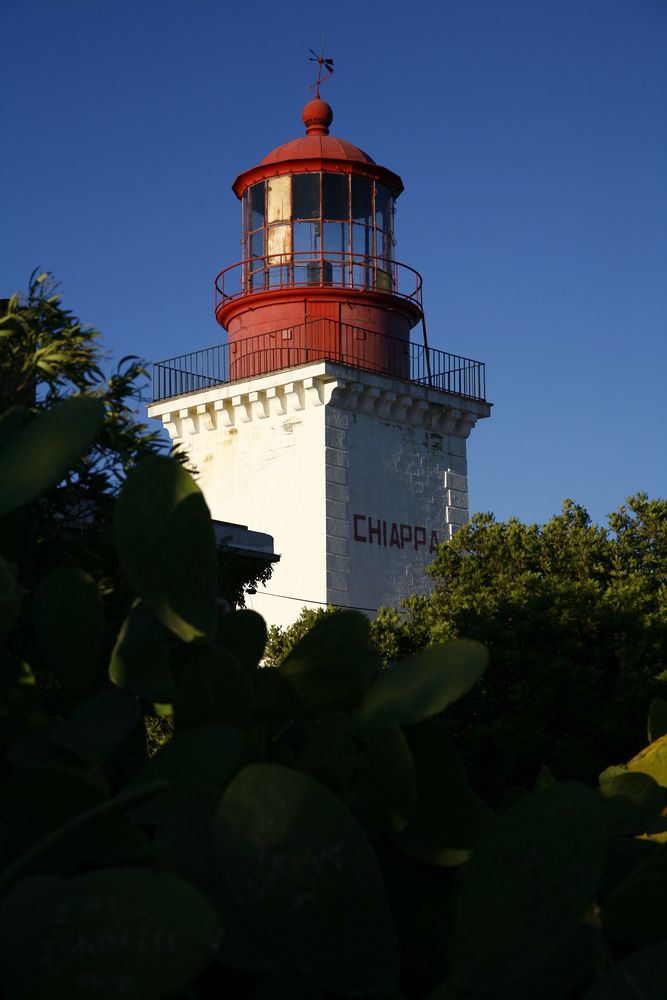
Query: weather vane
x=322, y=64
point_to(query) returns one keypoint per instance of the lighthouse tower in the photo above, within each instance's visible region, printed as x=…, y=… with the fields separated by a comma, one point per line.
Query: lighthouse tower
x=322, y=420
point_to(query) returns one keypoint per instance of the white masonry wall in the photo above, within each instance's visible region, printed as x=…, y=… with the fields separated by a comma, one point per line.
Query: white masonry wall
x=398, y=506
x=357, y=476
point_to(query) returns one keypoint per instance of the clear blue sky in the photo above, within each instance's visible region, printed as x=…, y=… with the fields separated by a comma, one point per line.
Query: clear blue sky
x=531, y=136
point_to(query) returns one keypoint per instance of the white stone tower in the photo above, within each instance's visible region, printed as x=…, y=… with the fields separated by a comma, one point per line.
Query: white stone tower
x=320, y=422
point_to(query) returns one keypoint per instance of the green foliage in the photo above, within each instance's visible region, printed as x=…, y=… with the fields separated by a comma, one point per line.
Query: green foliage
x=657, y=719
x=281, y=641
x=214, y=689
x=120, y=932
x=195, y=760
x=394, y=634
x=632, y=802
x=642, y=975
x=652, y=760
x=245, y=636
x=319, y=673
x=179, y=822
x=517, y=928
x=448, y=818
x=97, y=726
x=67, y=614
x=73, y=435
x=288, y=846
x=423, y=685
x=47, y=356
x=37, y=456
x=634, y=912
x=575, y=620
x=140, y=658
x=166, y=544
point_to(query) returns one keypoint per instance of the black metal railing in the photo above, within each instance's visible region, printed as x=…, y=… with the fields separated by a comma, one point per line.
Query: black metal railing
x=318, y=340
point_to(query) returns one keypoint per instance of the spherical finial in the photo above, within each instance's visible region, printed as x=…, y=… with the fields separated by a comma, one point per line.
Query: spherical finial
x=317, y=117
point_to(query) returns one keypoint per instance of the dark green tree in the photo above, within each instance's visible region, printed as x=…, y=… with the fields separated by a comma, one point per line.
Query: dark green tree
x=575, y=619
x=47, y=355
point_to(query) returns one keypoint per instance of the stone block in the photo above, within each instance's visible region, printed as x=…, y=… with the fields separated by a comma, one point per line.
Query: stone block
x=338, y=564
x=336, y=474
x=337, y=546
x=337, y=581
x=336, y=508
x=339, y=419
x=454, y=481
x=458, y=466
x=335, y=437
x=335, y=491
x=337, y=457
x=454, y=498
x=455, y=515
x=339, y=598
x=337, y=527
x=457, y=446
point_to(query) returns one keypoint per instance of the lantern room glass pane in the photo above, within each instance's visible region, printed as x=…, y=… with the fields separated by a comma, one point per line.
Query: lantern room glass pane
x=336, y=236
x=257, y=275
x=300, y=271
x=383, y=245
x=277, y=276
x=306, y=196
x=257, y=243
x=362, y=200
x=257, y=205
x=335, y=201
x=383, y=279
x=382, y=208
x=279, y=199
x=362, y=240
x=306, y=238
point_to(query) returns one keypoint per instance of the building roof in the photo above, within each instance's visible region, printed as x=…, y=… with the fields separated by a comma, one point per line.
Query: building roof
x=325, y=147
x=317, y=150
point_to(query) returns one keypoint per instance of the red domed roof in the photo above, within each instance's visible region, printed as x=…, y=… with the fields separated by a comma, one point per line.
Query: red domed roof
x=317, y=150
x=317, y=143
x=326, y=147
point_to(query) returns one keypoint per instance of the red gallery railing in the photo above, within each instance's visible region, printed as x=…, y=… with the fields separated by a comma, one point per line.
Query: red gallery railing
x=318, y=268
x=354, y=347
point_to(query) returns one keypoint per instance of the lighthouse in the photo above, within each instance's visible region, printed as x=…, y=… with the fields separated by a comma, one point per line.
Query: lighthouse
x=325, y=419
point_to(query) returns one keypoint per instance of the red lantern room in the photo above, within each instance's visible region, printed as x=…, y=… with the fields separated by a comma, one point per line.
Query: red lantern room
x=319, y=278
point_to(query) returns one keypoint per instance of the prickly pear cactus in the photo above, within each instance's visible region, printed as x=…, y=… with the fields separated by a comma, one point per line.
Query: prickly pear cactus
x=303, y=832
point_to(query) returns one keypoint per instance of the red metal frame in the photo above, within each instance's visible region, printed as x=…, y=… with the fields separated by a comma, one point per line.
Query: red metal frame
x=296, y=161
x=378, y=274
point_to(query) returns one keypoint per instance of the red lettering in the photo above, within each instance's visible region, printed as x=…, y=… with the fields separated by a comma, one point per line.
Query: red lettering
x=355, y=520
x=420, y=537
x=374, y=532
x=394, y=535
